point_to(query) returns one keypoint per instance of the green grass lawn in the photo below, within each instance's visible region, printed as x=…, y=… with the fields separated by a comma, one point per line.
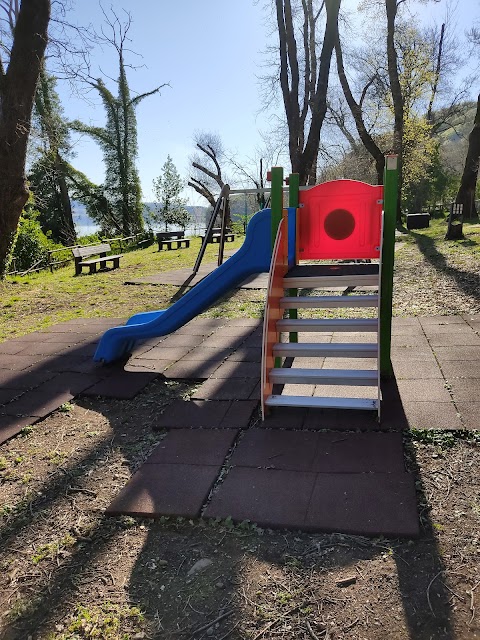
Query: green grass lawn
x=433, y=276
x=42, y=299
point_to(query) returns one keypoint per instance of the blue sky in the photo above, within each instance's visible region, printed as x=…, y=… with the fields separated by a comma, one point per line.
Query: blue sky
x=211, y=53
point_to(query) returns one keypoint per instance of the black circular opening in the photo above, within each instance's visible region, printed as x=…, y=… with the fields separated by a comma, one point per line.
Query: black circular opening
x=339, y=224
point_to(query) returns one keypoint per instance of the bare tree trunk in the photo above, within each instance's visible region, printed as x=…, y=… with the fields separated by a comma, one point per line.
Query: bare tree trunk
x=68, y=233
x=17, y=93
x=303, y=145
x=468, y=183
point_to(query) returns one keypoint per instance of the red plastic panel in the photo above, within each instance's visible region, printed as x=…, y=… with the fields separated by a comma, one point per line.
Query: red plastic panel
x=340, y=219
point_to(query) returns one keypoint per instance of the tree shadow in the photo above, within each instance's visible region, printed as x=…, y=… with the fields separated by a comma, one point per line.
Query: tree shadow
x=467, y=281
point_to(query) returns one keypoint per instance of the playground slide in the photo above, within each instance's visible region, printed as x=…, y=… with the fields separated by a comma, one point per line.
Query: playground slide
x=253, y=257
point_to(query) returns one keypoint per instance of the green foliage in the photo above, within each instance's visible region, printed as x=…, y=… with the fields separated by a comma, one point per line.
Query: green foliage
x=108, y=621
x=31, y=244
x=170, y=208
x=118, y=201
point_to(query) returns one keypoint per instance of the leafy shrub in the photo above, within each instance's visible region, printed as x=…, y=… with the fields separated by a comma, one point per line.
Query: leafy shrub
x=31, y=244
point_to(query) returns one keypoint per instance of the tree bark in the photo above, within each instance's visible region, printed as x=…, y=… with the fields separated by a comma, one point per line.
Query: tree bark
x=303, y=146
x=17, y=93
x=356, y=109
x=468, y=183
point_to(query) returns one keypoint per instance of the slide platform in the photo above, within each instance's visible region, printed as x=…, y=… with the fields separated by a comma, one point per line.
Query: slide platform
x=253, y=257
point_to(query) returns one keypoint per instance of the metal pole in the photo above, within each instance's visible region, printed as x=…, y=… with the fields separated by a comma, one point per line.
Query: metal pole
x=211, y=223
x=390, y=184
x=223, y=227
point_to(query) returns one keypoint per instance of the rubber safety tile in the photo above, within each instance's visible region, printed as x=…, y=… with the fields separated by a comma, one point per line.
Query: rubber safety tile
x=269, y=497
x=12, y=425
x=368, y=504
x=232, y=369
x=191, y=370
x=166, y=489
x=226, y=389
x=124, y=385
x=36, y=403
x=192, y=413
x=194, y=446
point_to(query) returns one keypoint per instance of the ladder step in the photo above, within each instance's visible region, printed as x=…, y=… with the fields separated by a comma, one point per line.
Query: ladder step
x=329, y=350
x=322, y=403
x=358, y=377
x=327, y=282
x=335, y=324
x=328, y=302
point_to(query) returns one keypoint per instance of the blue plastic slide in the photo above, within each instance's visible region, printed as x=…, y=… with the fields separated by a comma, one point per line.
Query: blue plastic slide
x=253, y=257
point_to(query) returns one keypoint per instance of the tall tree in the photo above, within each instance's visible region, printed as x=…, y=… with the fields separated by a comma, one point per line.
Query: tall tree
x=304, y=77
x=207, y=177
x=19, y=73
x=170, y=206
x=468, y=183
x=48, y=175
x=118, y=140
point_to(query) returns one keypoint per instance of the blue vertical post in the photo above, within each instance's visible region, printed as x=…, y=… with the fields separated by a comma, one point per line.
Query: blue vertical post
x=293, y=201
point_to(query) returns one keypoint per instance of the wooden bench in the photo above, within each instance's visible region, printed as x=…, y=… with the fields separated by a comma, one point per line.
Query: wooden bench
x=168, y=238
x=216, y=234
x=100, y=250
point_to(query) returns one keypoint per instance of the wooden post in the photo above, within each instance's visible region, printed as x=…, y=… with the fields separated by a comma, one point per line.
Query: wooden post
x=390, y=190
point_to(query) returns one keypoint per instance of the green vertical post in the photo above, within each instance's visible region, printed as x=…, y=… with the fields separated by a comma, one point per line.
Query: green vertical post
x=390, y=184
x=276, y=199
x=293, y=201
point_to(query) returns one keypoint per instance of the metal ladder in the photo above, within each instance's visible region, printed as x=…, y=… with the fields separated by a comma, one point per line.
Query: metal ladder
x=327, y=277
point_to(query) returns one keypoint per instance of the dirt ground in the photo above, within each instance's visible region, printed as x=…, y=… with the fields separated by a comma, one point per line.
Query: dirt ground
x=68, y=571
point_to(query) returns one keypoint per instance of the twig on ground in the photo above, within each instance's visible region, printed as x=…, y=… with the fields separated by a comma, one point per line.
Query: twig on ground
x=312, y=632
x=472, y=600
x=210, y=624
x=428, y=591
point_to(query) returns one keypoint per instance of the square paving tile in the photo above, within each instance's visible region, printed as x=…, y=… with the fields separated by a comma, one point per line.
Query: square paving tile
x=423, y=391
x=208, y=354
x=231, y=369
x=450, y=339
x=455, y=369
x=123, y=385
x=36, y=403
x=11, y=347
x=270, y=497
x=74, y=383
x=416, y=370
x=276, y=449
x=246, y=354
x=218, y=341
x=166, y=489
x=24, y=380
x=460, y=353
x=466, y=390
x=364, y=504
x=432, y=415
x=417, y=341
x=193, y=413
x=194, y=446
x=358, y=453
x=236, y=331
x=284, y=418
x=442, y=320
x=401, y=322
x=412, y=353
x=152, y=366
x=18, y=362
x=238, y=414
x=470, y=412
x=12, y=425
x=185, y=340
x=191, y=370
x=7, y=395
x=318, y=419
x=222, y=389
x=166, y=353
